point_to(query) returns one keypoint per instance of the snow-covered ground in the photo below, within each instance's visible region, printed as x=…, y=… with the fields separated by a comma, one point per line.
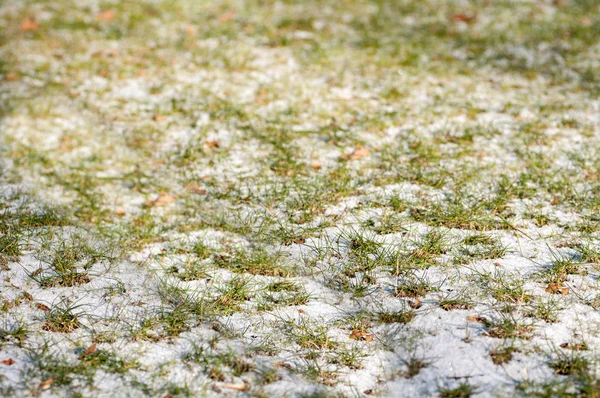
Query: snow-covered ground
x=303, y=199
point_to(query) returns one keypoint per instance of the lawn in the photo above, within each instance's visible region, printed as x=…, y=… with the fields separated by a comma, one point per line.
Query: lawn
x=335, y=198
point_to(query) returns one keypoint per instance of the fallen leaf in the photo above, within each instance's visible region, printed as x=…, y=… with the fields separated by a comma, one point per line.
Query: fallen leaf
x=474, y=318
x=262, y=97
x=27, y=296
x=106, y=15
x=574, y=346
x=46, y=384
x=90, y=350
x=416, y=304
x=463, y=18
x=8, y=361
x=360, y=152
x=555, y=200
x=190, y=31
x=212, y=144
x=159, y=118
x=227, y=16
x=29, y=25
x=556, y=288
x=195, y=188
x=42, y=307
x=239, y=387
x=11, y=76
x=163, y=200
x=360, y=335
x=120, y=212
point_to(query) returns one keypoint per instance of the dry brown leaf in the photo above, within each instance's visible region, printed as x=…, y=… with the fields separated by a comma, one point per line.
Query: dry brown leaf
x=29, y=25
x=90, y=350
x=27, y=296
x=463, y=18
x=46, y=384
x=159, y=118
x=8, y=361
x=474, y=318
x=190, y=31
x=11, y=76
x=163, y=200
x=360, y=335
x=262, y=97
x=555, y=200
x=106, y=15
x=416, y=304
x=42, y=307
x=556, y=288
x=552, y=288
x=212, y=144
x=574, y=346
x=195, y=188
x=360, y=152
x=120, y=212
x=227, y=16
x=239, y=387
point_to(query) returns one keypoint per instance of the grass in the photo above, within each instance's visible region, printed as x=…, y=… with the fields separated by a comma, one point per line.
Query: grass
x=396, y=317
x=259, y=262
x=317, y=193
x=16, y=333
x=503, y=355
x=560, y=268
x=62, y=318
x=505, y=327
x=464, y=390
